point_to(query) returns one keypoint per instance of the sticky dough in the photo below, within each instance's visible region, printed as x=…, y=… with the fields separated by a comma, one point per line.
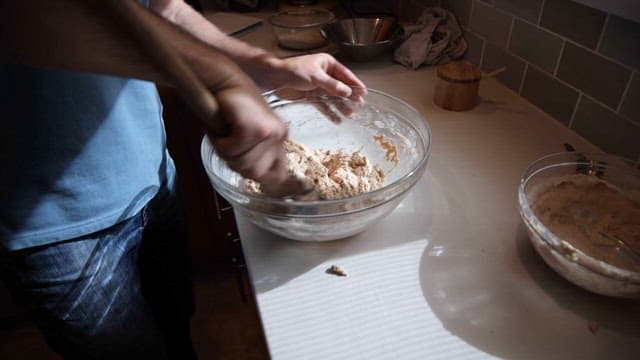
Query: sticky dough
x=594, y=217
x=335, y=174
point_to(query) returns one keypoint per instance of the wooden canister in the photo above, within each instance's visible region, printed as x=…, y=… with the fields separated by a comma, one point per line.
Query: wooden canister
x=457, y=86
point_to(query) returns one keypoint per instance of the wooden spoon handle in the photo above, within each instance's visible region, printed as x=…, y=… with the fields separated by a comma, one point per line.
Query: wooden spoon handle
x=494, y=72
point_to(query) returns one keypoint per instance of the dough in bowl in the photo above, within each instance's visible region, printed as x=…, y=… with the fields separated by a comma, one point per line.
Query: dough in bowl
x=334, y=174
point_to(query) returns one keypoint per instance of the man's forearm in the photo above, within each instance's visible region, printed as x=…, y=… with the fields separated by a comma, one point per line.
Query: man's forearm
x=254, y=60
x=82, y=36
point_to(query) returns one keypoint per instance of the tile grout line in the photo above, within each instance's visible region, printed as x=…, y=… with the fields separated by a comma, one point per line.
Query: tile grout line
x=621, y=116
x=570, y=86
x=560, y=36
x=524, y=75
x=546, y=113
x=575, y=111
x=527, y=63
x=602, y=31
x=484, y=47
x=511, y=26
x=471, y=9
x=554, y=74
x=557, y=67
x=569, y=126
x=574, y=43
x=624, y=93
x=484, y=41
x=544, y=2
x=579, y=91
x=543, y=71
x=594, y=52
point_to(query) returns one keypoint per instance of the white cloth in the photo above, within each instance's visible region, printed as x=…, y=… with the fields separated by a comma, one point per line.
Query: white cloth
x=435, y=38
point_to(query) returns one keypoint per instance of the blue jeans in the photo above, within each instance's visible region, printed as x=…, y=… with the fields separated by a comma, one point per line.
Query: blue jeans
x=120, y=293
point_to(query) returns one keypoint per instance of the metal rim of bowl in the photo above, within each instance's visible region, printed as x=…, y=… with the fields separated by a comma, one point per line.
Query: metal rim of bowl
x=324, y=33
x=350, y=44
x=555, y=243
x=408, y=177
x=330, y=18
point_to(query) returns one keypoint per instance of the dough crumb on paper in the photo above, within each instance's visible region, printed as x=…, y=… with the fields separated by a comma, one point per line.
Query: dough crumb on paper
x=336, y=270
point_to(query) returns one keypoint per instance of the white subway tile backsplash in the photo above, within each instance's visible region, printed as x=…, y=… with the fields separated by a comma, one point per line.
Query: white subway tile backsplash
x=606, y=129
x=631, y=105
x=491, y=23
x=549, y=94
x=495, y=58
x=593, y=74
x=575, y=21
x=576, y=63
x=621, y=41
x=526, y=9
x=535, y=45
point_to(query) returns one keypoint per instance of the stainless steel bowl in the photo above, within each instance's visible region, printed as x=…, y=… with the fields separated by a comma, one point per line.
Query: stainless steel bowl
x=362, y=39
x=331, y=123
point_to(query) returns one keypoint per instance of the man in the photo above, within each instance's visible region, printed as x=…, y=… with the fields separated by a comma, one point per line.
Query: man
x=91, y=233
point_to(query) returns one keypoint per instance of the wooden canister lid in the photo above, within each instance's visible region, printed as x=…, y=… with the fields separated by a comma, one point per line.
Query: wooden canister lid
x=459, y=72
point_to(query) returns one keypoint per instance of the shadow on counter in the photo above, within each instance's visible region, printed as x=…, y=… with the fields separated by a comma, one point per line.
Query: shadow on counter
x=510, y=304
x=396, y=229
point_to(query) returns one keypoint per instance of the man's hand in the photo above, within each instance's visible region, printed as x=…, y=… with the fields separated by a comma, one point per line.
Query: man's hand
x=302, y=72
x=321, y=70
x=254, y=148
x=82, y=36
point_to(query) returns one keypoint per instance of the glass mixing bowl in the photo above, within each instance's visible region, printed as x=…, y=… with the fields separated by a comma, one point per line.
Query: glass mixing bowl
x=602, y=262
x=299, y=29
x=320, y=121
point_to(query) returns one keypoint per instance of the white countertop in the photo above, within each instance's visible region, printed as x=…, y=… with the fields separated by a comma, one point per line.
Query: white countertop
x=450, y=273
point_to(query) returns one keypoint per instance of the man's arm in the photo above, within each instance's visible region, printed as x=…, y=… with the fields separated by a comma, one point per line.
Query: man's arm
x=81, y=36
x=68, y=35
x=303, y=72
x=184, y=16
